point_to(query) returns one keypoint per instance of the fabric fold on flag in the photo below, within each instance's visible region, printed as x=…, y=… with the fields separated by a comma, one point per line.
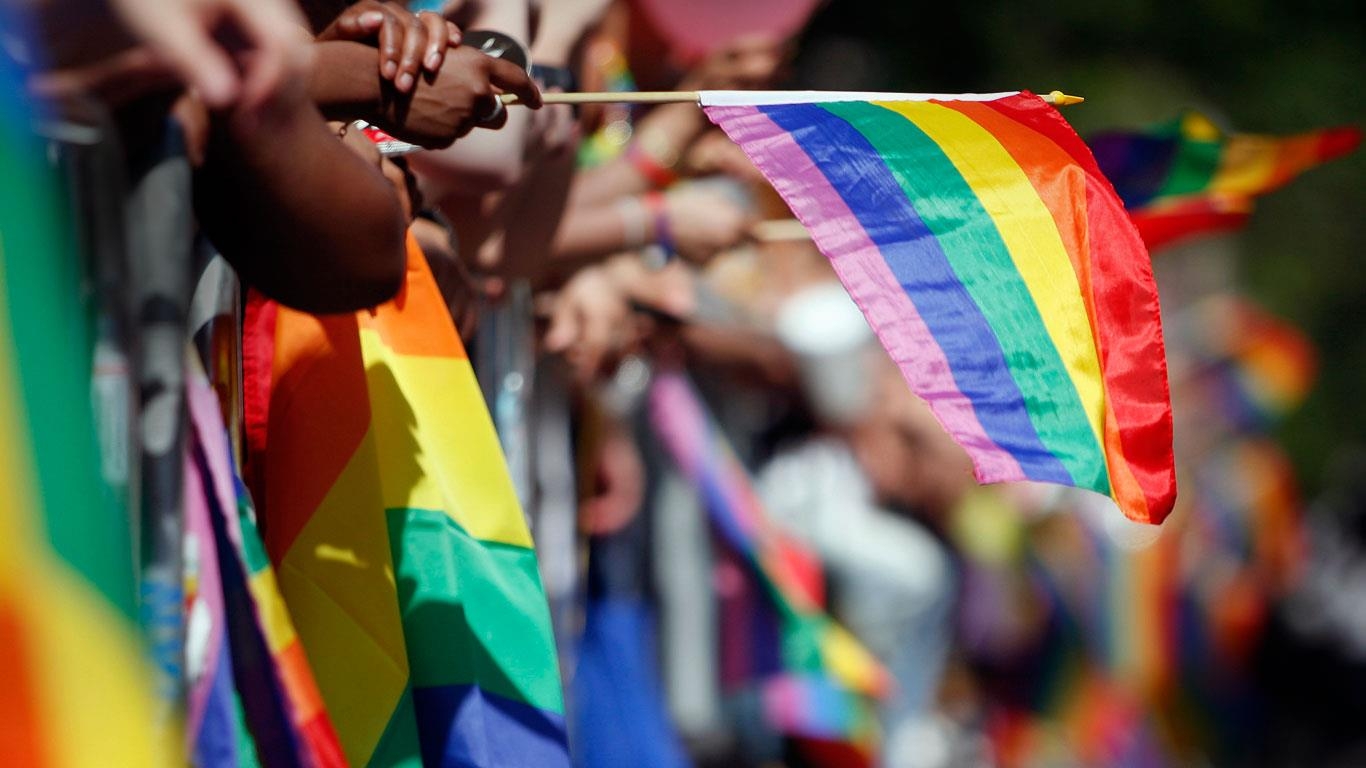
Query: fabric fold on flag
x=998, y=268
x=401, y=549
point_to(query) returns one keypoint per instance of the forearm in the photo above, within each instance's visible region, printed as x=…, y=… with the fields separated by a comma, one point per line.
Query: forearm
x=753, y=355
x=484, y=161
x=301, y=216
x=345, y=83
x=590, y=233
x=663, y=135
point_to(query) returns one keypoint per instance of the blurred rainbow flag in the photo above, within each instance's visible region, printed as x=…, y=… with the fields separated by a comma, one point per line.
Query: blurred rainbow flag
x=996, y=265
x=1186, y=177
x=401, y=549
x=252, y=693
x=77, y=684
x=1266, y=365
x=825, y=682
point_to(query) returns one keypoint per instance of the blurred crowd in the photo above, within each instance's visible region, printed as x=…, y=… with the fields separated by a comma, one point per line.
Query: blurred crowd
x=600, y=262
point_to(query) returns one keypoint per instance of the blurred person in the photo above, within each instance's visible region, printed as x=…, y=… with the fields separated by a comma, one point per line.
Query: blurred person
x=866, y=496
x=622, y=203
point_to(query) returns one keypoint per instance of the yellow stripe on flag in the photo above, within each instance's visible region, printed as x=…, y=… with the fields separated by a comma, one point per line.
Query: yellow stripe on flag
x=450, y=459
x=1030, y=235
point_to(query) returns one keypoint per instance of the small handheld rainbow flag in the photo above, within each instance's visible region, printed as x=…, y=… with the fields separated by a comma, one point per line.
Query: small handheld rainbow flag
x=996, y=265
x=825, y=681
x=1186, y=177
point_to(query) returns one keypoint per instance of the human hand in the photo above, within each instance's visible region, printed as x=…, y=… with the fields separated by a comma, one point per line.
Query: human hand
x=458, y=287
x=618, y=484
x=274, y=50
x=704, y=222
x=590, y=322
x=401, y=36
x=462, y=96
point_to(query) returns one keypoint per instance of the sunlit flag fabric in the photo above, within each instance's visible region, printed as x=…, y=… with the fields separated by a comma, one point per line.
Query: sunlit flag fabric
x=401, y=550
x=75, y=681
x=998, y=268
x=1187, y=177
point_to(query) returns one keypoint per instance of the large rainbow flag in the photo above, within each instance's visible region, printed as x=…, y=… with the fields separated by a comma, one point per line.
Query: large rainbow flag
x=1186, y=177
x=996, y=265
x=400, y=548
x=823, y=682
x=75, y=680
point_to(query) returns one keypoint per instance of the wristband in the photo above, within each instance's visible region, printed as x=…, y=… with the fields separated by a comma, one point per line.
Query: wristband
x=635, y=222
x=655, y=203
x=659, y=175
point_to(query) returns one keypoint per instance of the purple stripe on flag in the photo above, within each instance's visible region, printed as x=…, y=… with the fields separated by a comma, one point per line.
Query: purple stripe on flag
x=870, y=281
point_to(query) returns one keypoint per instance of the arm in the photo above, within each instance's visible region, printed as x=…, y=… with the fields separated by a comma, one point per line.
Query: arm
x=660, y=139
x=298, y=214
x=346, y=85
x=486, y=161
x=698, y=222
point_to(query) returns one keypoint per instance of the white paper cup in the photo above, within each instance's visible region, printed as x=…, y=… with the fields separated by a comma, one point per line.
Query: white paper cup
x=823, y=327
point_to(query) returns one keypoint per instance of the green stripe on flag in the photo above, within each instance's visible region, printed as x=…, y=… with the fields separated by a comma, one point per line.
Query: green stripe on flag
x=983, y=264
x=43, y=279
x=474, y=612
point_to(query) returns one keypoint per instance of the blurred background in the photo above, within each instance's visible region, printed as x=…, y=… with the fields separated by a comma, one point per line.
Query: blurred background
x=758, y=548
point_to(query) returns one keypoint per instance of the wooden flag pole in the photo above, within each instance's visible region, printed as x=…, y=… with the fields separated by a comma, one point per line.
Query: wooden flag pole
x=1056, y=98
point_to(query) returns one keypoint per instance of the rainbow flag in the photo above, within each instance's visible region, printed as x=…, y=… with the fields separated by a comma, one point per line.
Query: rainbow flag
x=75, y=680
x=214, y=729
x=400, y=548
x=1259, y=367
x=1186, y=177
x=825, y=681
x=276, y=712
x=996, y=265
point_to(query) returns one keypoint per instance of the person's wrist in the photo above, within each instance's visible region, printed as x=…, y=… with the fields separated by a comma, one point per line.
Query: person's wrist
x=654, y=158
x=345, y=84
x=658, y=206
x=637, y=225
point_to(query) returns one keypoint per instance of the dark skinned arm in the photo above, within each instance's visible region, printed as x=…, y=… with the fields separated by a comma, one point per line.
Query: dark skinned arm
x=302, y=218
x=442, y=107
